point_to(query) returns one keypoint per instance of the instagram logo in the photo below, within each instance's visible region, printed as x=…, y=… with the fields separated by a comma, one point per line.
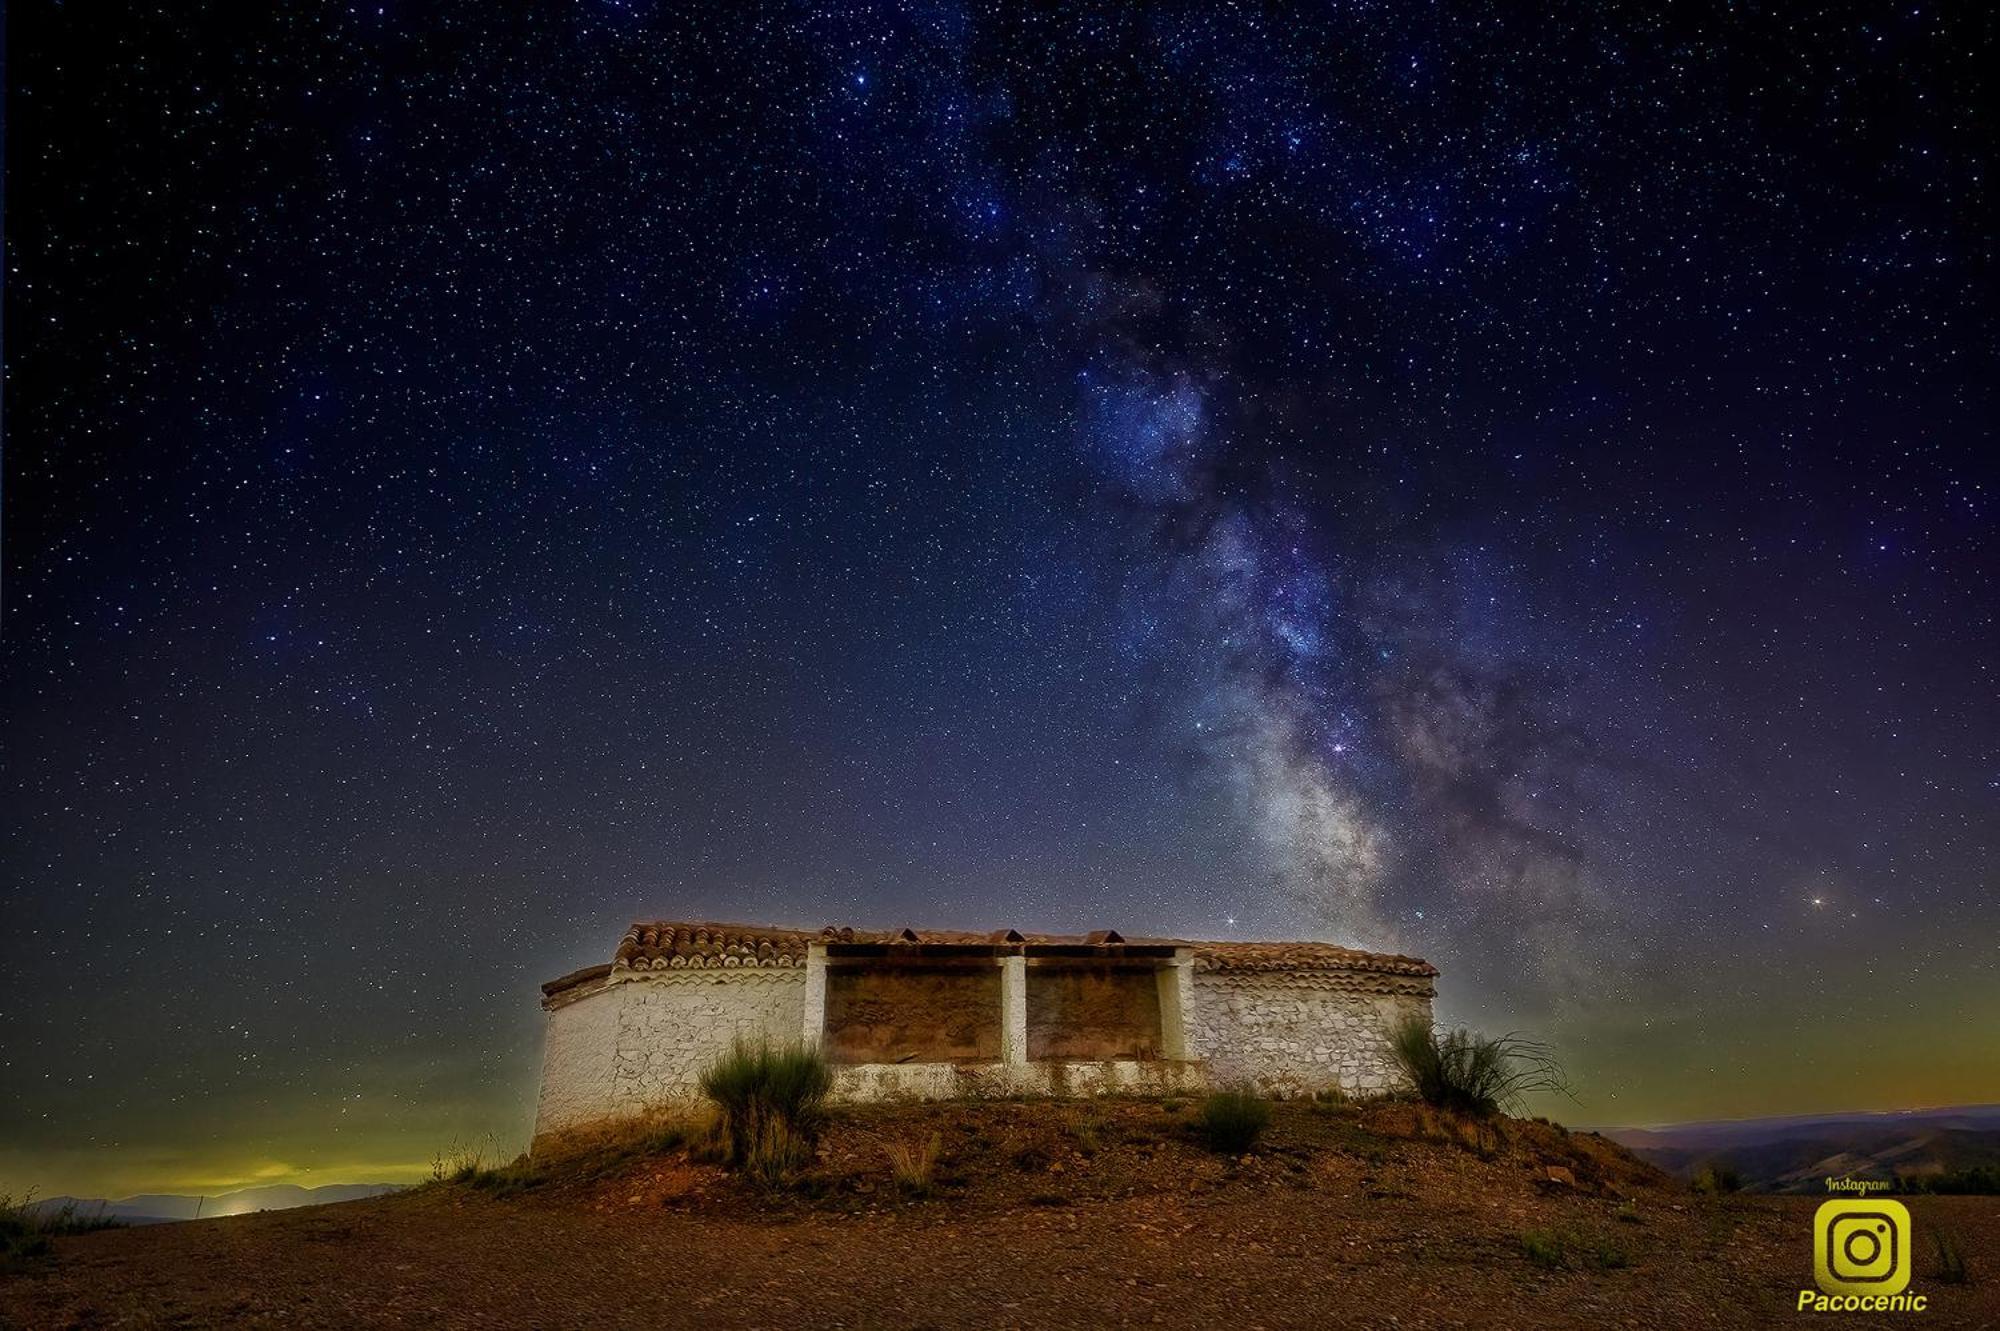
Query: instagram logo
x=1862, y=1247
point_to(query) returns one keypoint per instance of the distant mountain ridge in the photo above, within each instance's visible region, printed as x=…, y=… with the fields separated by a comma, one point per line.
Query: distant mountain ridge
x=1798, y=1153
x=157, y=1208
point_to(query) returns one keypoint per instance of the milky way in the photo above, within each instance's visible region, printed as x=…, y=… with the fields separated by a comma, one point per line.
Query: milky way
x=1512, y=487
x=1335, y=706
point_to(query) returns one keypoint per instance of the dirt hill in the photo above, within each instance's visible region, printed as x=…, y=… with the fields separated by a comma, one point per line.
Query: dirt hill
x=1100, y=1214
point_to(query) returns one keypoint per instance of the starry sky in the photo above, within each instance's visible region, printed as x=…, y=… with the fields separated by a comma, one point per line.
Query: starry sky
x=1513, y=488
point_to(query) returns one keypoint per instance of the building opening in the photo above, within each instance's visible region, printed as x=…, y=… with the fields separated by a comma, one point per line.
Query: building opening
x=1089, y=1009
x=886, y=1009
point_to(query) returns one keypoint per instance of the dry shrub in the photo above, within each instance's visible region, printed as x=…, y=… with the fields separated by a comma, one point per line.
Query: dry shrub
x=777, y=1153
x=1088, y=1128
x=1476, y=1136
x=26, y=1226
x=772, y=1100
x=914, y=1167
x=1231, y=1121
x=591, y=1151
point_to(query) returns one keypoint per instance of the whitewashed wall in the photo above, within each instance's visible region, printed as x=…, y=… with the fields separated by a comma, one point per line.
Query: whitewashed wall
x=577, y=1059
x=1287, y=1033
x=672, y=1027
x=631, y=1045
x=636, y=1044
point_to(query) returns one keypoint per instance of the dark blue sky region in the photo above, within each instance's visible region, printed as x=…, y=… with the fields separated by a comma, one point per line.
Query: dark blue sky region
x=1514, y=488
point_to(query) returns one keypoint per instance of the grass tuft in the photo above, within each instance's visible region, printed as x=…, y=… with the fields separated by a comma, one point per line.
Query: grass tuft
x=1230, y=1122
x=1472, y=1074
x=914, y=1168
x=1088, y=1129
x=773, y=1101
x=26, y=1229
x=461, y=1162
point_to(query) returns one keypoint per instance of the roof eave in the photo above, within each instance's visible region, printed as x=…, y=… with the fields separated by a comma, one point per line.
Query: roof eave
x=576, y=979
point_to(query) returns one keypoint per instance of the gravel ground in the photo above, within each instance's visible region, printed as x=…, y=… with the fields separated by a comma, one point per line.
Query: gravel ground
x=1417, y=1236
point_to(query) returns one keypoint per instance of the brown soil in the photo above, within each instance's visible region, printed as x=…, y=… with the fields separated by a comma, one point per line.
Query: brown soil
x=1071, y=1215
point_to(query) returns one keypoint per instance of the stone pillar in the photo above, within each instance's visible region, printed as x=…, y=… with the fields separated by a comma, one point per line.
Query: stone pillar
x=814, y=1030
x=1013, y=1009
x=1176, y=980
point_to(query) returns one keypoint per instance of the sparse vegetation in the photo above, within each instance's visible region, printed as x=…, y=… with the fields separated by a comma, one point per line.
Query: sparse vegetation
x=1469, y=1073
x=1950, y=1255
x=26, y=1229
x=457, y=1163
x=1476, y=1135
x=1026, y=1156
x=1607, y=1254
x=1232, y=1121
x=1981, y=1180
x=578, y=1158
x=1717, y=1178
x=857, y=1155
x=1560, y=1248
x=1088, y=1130
x=519, y=1175
x=1543, y=1248
x=777, y=1153
x=1395, y=1177
x=914, y=1167
x=772, y=1100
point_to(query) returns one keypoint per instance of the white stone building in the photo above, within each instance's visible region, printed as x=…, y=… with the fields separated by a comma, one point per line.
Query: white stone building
x=934, y=1015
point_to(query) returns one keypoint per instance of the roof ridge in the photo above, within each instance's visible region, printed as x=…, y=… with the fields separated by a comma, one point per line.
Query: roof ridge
x=675, y=944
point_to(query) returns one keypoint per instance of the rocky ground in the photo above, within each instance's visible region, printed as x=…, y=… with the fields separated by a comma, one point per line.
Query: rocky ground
x=1039, y=1215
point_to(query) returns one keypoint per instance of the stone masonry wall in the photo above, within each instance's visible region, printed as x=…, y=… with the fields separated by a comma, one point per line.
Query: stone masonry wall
x=635, y=1044
x=1294, y=1033
x=671, y=1027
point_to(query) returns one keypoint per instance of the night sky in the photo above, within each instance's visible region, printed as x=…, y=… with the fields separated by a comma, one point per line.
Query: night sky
x=1518, y=489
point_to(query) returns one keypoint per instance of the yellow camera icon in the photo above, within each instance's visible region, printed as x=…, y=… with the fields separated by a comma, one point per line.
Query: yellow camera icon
x=1861, y=1246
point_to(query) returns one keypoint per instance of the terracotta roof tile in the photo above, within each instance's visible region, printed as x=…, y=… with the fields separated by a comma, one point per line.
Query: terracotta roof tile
x=679, y=945
x=1303, y=957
